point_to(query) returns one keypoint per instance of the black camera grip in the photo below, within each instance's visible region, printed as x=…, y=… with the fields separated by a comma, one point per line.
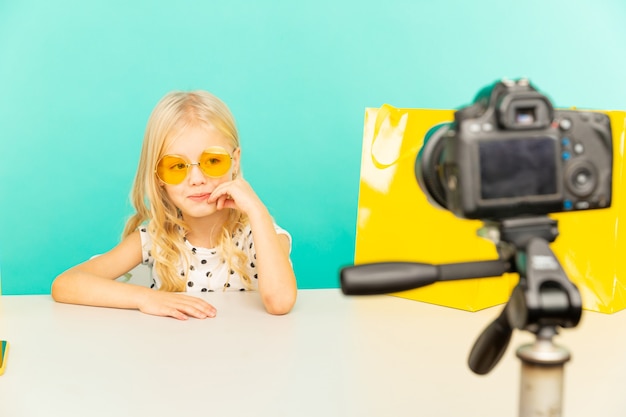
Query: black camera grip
x=386, y=277
x=491, y=345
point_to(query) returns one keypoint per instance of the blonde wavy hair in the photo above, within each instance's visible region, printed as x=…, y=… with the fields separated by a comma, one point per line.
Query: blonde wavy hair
x=175, y=112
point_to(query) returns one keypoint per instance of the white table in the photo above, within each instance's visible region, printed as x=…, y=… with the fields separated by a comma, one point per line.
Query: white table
x=331, y=356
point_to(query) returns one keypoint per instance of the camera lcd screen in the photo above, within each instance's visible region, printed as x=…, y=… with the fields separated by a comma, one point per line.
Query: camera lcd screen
x=518, y=168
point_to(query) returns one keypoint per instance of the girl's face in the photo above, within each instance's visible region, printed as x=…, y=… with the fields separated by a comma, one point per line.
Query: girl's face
x=191, y=195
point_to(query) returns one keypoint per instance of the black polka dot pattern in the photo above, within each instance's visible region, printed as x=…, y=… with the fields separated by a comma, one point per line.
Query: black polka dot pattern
x=205, y=269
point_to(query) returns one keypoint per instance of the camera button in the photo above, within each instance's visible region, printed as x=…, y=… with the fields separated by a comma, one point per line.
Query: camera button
x=583, y=205
x=566, y=156
x=579, y=148
x=565, y=124
x=474, y=128
x=582, y=178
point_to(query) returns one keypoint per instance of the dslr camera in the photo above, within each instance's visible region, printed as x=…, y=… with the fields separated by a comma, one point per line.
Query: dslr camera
x=511, y=154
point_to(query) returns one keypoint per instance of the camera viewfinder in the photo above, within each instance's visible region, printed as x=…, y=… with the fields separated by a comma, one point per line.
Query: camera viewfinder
x=525, y=115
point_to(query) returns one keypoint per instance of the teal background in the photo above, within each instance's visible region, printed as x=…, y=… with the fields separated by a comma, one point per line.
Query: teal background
x=78, y=80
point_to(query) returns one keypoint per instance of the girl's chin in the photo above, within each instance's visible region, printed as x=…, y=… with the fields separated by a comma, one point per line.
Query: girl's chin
x=200, y=211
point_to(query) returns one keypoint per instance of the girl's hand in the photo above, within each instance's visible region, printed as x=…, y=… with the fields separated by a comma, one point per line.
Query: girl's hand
x=179, y=306
x=276, y=279
x=236, y=194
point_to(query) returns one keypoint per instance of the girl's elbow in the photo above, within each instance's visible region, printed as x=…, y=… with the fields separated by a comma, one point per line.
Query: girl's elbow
x=279, y=306
x=58, y=288
x=278, y=311
x=55, y=291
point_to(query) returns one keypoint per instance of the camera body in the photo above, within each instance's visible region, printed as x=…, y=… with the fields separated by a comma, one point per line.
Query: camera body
x=512, y=154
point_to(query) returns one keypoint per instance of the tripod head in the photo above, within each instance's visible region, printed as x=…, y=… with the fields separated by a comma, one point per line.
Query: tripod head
x=543, y=300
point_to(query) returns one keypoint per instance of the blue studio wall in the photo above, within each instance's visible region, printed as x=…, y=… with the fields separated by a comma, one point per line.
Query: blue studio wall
x=78, y=80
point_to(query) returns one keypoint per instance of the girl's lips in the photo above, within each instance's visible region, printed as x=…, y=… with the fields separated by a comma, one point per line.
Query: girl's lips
x=199, y=197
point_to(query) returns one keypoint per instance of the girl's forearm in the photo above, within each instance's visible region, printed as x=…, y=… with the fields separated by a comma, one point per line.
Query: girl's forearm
x=77, y=287
x=277, y=282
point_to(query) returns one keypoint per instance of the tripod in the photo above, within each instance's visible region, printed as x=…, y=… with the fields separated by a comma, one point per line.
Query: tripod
x=543, y=301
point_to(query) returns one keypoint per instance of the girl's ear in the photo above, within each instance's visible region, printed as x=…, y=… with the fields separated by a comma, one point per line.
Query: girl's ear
x=236, y=162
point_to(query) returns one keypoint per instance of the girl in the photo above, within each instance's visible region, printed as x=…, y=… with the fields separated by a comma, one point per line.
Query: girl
x=198, y=223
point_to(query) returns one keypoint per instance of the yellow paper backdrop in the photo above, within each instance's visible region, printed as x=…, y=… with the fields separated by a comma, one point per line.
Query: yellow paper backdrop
x=396, y=222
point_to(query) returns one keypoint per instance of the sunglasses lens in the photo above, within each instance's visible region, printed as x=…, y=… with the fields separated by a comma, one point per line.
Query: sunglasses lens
x=215, y=162
x=172, y=169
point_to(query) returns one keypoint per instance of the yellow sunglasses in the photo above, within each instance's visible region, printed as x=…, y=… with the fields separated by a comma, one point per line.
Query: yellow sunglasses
x=214, y=162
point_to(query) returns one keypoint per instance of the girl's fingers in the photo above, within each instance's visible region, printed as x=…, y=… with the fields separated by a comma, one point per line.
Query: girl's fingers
x=196, y=307
x=177, y=314
x=221, y=201
x=179, y=306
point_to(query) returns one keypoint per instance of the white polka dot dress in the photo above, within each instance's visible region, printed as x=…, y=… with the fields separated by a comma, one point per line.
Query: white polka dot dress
x=208, y=272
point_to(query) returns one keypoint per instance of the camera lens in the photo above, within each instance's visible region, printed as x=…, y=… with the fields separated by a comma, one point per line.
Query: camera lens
x=428, y=165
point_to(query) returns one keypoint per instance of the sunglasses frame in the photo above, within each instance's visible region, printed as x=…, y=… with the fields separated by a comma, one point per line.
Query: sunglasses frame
x=213, y=150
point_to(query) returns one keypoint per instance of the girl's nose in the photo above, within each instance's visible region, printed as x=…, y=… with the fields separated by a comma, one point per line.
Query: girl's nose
x=196, y=176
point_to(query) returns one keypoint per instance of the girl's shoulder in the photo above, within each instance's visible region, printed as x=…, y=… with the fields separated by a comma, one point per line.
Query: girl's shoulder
x=281, y=231
x=246, y=232
x=244, y=238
